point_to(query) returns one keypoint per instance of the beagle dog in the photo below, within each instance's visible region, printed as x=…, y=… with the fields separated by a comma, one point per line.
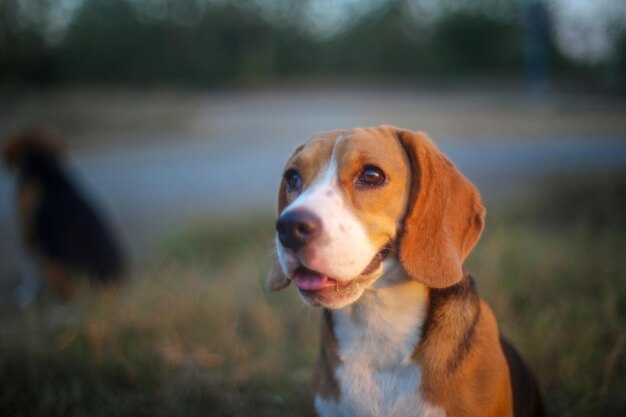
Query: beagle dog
x=374, y=225
x=58, y=223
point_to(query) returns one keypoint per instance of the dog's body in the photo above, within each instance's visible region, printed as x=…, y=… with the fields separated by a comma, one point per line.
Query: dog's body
x=374, y=227
x=58, y=223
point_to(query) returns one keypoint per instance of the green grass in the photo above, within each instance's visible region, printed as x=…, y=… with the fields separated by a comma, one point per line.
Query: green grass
x=195, y=333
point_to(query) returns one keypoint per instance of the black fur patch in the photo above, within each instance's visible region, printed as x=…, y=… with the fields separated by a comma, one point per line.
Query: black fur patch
x=464, y=301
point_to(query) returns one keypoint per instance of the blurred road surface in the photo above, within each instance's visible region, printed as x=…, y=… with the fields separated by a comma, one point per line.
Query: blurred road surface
x=234, y=167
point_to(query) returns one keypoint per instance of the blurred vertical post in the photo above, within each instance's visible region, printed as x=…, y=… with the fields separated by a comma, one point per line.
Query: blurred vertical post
x=535, y=46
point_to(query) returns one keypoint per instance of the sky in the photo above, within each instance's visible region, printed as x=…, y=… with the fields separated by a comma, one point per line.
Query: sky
x=588, y=29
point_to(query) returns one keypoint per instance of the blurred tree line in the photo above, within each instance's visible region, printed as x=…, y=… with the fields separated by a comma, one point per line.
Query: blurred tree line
x=208, y=43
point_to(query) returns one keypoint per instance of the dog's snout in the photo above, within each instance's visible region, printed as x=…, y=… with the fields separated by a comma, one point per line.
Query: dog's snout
x=297, y=228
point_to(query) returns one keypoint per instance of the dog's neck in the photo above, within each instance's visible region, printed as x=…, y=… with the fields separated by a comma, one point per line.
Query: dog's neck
x=394, y=321
x=384, y=326
x=371, y=345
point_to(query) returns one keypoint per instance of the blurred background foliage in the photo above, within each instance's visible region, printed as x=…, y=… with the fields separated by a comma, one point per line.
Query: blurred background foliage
x=206, y=43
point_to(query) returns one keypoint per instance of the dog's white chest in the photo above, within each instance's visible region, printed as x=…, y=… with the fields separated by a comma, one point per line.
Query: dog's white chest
x=376, y=338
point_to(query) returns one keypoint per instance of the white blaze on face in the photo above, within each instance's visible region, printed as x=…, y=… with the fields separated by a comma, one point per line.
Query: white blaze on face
x=343, y=250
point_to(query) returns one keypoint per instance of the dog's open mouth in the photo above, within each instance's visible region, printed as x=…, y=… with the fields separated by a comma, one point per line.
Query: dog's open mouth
x=308, y=280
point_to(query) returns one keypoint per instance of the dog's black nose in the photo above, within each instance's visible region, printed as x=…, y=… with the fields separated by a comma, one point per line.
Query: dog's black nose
x=296, y=228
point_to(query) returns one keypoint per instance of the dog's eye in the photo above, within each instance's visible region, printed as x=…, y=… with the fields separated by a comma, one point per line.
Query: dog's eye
x=293, y=180
x=372, y=176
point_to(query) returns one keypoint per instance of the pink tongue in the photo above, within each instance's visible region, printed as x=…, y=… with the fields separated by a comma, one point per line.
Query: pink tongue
x=310, y=281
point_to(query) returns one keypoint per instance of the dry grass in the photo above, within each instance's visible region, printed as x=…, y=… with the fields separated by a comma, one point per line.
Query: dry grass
x=190, y=335
x=194, y=333
x=553, y=270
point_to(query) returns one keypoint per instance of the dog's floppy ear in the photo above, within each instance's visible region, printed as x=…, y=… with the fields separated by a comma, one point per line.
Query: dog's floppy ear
x=444, y=218
x=46, y=140
x=276, y=279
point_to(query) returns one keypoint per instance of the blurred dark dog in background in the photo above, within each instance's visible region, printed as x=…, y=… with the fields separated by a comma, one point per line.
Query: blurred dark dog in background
x=59, y=224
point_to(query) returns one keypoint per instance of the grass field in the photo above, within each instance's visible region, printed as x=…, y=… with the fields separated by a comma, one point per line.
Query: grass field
x=194, y=332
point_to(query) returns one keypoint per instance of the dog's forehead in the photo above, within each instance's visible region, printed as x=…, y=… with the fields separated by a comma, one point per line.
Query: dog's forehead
x=371, y=145
x=368, y=146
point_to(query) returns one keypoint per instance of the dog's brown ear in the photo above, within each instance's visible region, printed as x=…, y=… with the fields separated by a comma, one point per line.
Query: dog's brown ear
x=47, y=140
x=276, y=279
x=444, y=218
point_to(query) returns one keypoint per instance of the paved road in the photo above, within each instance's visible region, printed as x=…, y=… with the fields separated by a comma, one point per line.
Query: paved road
x=235, y=168
x=147, y=189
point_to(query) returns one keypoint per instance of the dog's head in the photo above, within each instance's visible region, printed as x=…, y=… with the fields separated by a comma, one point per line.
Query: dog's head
x=352, y=204
x=39, y=142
